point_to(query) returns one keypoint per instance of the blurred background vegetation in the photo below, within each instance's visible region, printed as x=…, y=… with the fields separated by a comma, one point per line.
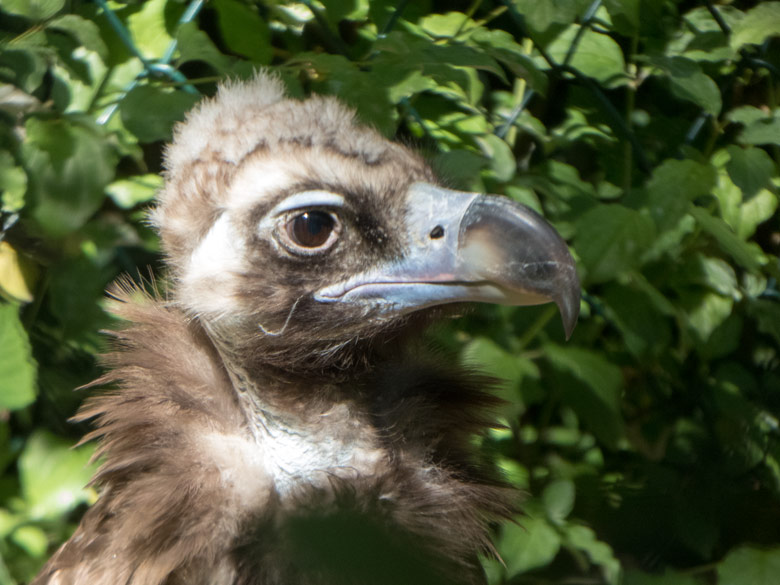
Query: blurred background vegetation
x=647, y=131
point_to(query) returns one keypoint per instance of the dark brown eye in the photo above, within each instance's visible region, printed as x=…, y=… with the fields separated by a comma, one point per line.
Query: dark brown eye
x=311, y=229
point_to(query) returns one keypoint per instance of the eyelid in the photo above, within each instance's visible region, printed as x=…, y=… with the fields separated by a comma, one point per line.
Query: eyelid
x=307, y=199
x=303, y=200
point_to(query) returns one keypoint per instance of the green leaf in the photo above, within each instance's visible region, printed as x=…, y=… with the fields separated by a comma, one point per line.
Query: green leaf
x=444, y=25
x=150, y=112
x=127, y=193
x=597, y=55
x=434, y=59
x=487, y=355
x=338, y=10
x=243, y=31
x=610, y=240
x=359, y=89
x=25, y=68
x=77, y=308
x=8, y=523
x=461, y=167
x=499, y=154
x=747, y=254
x=501, y=46
x=17, y=368
x=746, y=115
x=53, y=476
x=13, y=182
x=558, y=499
x=759, y=24
x=84, y=31
x=714, y=273
x=195, y=45
x=600, y=553
x=527, y=545
x=750, y=168
x=592, y=387
x=625, y=15
x=688, y=82
x=69, y=162
x=541, y=15
x=644, y=332
x=757, y=210
x=576, y=127
x=33, y=9
x=743, y=216
x=763, y=131
x=17, y=274
x=673, y=185
x=750, y=565
x=32, y=540
x=708, y=314
x=148, y=29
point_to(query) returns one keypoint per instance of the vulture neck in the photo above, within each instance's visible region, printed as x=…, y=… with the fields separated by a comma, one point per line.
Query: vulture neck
x=309, y=429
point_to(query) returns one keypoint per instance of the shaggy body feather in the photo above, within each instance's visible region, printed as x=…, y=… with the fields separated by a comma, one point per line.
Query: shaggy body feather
x=186, y=485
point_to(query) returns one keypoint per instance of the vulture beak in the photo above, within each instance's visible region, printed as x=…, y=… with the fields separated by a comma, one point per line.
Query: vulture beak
x=468, y=247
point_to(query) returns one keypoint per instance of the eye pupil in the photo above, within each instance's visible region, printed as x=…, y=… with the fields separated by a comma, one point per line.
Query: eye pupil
x=311, y=229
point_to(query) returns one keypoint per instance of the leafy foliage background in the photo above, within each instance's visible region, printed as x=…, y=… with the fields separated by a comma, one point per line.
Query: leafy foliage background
x=647, y=131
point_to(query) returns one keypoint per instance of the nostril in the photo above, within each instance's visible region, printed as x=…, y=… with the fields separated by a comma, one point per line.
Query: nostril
x=437, y=232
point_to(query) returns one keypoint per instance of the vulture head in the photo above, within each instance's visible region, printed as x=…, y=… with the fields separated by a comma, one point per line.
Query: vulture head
x=267, y=421
x=300, y=237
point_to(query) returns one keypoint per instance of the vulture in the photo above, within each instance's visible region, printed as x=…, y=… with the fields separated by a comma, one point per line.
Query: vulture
x=272, y=418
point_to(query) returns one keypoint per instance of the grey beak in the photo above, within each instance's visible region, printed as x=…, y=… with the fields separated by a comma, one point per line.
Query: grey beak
x=469, y=247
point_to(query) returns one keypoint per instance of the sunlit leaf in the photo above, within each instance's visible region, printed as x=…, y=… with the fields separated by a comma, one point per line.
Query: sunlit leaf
x=763, y=131
x=53, y=476
x=759, y=23
x=17, y=368
x=444, y=25
x=33, y=9
x=32, y=540
x=541, y=15
x=499, y=155
x=597, y=55
x=127, y=193
x=747, y=254
x=13, y=182
x=149, y=28
x=17, y=274
x=710, y=312
x=529, y=544
x=502, y=46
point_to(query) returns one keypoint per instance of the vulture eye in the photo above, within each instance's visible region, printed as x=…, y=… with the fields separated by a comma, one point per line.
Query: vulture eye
x=311, y=232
